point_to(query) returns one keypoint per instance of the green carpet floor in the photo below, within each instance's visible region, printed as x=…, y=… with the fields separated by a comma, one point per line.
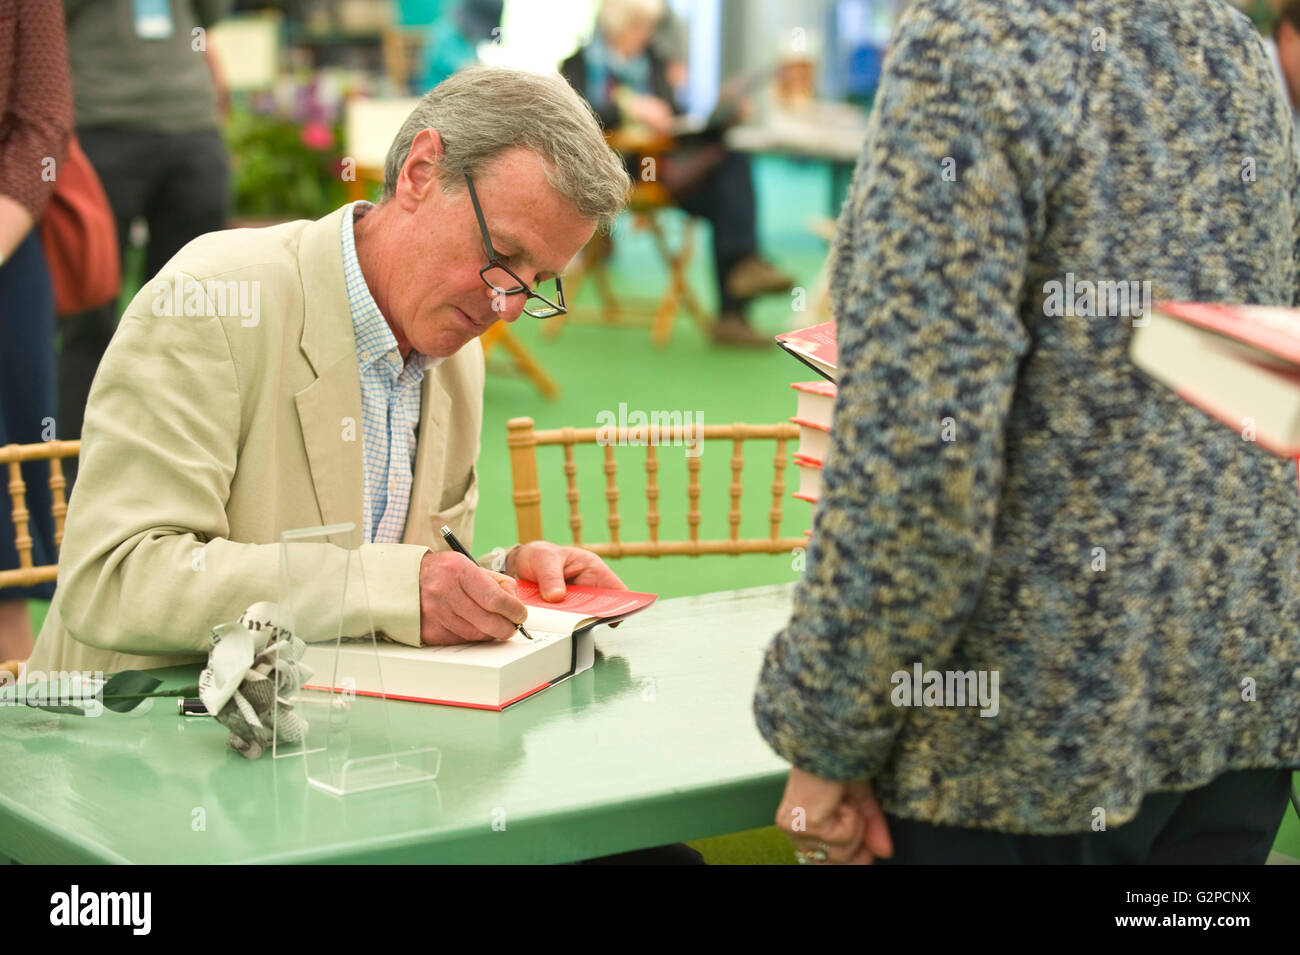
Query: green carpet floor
x=599, y=368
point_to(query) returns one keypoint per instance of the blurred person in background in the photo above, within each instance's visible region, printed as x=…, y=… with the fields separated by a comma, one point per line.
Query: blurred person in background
x=146, y=113
x=625, y=78
x=35, y=120
x=984, y=454
x=671, y=43
x=1284, y=47
x=453, y=29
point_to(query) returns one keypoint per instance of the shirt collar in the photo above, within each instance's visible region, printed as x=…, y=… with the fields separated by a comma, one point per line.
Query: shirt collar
x=374, y=339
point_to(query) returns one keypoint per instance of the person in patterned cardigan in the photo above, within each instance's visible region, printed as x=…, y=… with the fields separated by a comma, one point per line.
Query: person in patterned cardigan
x=1006, y=497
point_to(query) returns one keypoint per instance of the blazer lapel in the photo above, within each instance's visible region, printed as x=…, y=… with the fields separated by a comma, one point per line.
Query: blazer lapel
x=329, y=412
x=430, y=460
x=329, y=409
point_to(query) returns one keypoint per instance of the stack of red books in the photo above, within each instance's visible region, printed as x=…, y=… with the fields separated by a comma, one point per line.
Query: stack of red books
x=815, y=347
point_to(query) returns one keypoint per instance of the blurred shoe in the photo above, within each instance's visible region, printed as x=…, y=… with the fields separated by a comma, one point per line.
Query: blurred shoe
x=754, y=276
x=731, y=329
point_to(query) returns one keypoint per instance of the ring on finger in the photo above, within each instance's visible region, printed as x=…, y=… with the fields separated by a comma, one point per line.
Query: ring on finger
x=819, y=854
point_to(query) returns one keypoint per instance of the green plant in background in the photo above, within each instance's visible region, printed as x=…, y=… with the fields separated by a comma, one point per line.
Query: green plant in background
x=1262, y=13
x=283, y=169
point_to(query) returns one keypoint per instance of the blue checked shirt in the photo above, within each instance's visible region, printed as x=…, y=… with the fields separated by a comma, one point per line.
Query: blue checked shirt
x=390, y=403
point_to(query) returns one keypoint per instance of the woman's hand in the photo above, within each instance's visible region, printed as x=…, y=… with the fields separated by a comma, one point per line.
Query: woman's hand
x=15, y=223
x=833, y=823
x=653, y=112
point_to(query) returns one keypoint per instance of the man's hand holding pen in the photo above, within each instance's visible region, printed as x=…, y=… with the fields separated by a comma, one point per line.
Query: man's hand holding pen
x=460, y=602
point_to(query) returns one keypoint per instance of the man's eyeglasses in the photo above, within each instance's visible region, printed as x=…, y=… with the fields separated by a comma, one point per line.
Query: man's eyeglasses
x=544, y=301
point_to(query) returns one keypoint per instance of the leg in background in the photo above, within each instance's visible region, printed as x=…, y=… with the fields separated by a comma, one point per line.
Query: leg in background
x=189, y=197
x=1232, y=820
x=726, y=200
x=27, y=406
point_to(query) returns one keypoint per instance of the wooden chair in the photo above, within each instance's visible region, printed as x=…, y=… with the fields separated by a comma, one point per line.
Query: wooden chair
x=647, y=203
x=13, y=455
x=520, y=360
x=523, y=442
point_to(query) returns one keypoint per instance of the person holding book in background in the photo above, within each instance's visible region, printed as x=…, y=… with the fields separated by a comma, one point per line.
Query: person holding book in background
x=622, y=73
x=1007, y=502
x=1284, y=49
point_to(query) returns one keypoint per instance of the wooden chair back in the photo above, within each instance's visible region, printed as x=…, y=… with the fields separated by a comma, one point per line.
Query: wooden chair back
x=523, y=442
x=13, y=456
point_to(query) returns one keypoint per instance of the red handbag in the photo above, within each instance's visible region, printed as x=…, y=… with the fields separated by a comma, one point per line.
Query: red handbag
x=80, y=238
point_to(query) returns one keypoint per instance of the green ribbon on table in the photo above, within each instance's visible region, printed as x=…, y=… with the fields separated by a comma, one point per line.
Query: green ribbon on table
x=122, y=693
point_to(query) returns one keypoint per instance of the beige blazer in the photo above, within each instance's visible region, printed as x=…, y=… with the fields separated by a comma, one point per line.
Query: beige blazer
x=207, y=435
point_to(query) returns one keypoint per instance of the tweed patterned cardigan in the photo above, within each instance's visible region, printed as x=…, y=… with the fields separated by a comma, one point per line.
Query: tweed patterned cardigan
x=1004, y=491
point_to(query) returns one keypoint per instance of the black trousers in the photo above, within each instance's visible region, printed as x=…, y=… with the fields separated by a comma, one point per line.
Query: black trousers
x=178, y=183
x=678, y=853
x=1232, y=820
x=725, y=198
x=27, y=400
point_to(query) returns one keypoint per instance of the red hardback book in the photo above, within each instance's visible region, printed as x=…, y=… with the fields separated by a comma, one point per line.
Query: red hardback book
x=810, y=479
x=490, y=675
x=1272, y=329
x=816, y=402
x=1239, y=364
x=813, y=416
x=814, y=346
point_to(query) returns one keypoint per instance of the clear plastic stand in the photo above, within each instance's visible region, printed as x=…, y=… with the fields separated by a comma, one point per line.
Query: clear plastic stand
x=347, y=746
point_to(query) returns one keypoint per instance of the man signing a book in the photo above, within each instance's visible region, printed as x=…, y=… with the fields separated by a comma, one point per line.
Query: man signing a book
x=317, y=373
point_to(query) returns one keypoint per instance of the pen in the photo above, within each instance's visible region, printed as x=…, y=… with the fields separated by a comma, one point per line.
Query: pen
x=455, y=545
x=191, y=706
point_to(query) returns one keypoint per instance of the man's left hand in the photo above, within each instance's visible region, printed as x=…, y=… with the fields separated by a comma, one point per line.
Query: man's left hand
x=551, y=566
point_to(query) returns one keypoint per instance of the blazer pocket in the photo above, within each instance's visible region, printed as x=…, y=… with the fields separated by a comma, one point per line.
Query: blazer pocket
x=454, y=514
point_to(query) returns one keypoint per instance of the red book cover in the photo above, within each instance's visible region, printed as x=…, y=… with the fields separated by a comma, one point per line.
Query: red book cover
x=1232, y=420
x=810, y=424
x=810, y=483
x=588, y=601
x=814, y=346
x=825, y=389
x=1234, y=362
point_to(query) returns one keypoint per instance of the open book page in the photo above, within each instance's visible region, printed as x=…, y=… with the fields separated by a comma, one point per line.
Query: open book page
x=580, y=606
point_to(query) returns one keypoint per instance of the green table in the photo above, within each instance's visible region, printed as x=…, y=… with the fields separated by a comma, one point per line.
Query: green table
x=655, y=744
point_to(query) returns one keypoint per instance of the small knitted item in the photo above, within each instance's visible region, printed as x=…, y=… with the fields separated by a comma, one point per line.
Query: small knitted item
x=253, y=671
